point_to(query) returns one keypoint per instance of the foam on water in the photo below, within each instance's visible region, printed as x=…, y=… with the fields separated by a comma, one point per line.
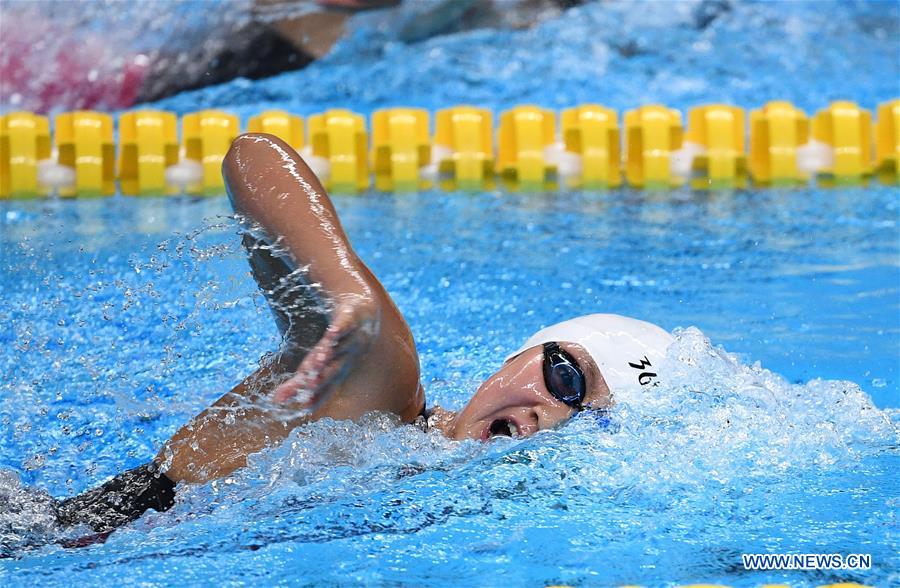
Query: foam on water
x=708, y=451
x=718, y=420
x=719, y=450
x=115, y=340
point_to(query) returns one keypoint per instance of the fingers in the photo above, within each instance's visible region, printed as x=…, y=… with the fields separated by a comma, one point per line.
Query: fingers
x=295, y=389
x=322, y=368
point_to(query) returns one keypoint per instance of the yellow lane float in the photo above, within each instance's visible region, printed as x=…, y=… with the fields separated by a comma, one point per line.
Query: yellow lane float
x=338, y=137
x=287, y=127
x=400, y=148
x=652, y=134
x=719, y=131
x=777, y=131
x=464, y=144
x=148, y=143
x=592, y=132
x=838, y=146
x=84, y=141
x=207, y=135
x=847, y=130
x=524, y=135
x=887, y=142
x=24, y=142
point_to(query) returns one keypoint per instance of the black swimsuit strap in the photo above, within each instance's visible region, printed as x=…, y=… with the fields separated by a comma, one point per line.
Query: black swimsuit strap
x=119, y=501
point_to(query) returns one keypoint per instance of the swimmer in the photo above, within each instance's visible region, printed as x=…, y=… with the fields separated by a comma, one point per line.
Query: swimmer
x=346, y=350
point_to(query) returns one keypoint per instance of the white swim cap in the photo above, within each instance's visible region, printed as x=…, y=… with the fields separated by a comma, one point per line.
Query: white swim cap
x=627, y=351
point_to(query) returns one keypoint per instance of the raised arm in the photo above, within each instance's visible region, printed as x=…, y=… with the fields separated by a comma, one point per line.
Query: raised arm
x=361, y=358
x=272, y=186
x=346, y=349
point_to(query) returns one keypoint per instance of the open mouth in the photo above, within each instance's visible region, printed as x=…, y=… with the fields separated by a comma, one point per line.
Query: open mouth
x=503, y=428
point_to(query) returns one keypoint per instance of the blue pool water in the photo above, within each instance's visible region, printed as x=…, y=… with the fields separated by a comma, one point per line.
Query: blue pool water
x=779, y=433
x=115, y=339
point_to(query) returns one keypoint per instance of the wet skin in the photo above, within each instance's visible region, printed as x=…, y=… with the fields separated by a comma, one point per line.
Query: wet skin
x=515, y=399
x=342, y=359
x=365, y=360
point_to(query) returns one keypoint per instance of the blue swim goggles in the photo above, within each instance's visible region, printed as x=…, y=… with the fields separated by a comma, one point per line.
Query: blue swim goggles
x=563, y=376
x=565, y=380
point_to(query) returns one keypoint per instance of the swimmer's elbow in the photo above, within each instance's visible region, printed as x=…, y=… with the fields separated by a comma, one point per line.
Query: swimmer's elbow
x=259, y=164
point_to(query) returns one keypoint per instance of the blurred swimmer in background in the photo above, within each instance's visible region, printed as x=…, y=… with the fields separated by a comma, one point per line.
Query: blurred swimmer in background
x=347, y=350
x=58, y=55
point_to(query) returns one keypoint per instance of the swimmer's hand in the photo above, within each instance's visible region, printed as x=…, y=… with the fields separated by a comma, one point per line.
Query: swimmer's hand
x=354, y=325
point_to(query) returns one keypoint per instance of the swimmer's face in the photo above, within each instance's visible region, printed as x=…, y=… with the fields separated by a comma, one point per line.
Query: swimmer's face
x=515, y=400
